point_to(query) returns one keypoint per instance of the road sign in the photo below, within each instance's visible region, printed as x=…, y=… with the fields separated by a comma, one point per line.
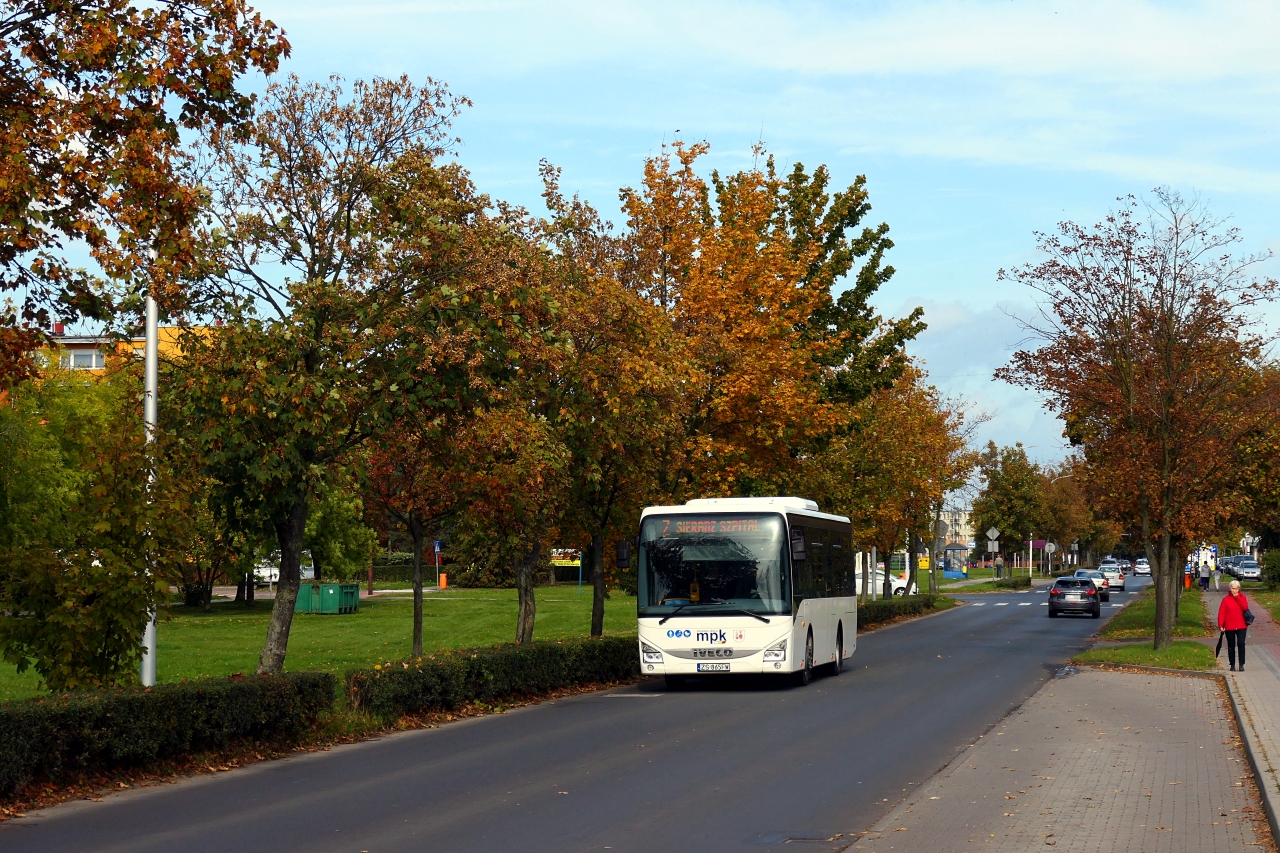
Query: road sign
x=1213, y=549
x=993, y=533
x=993, y=546
x=438, y=543
x=1051, y=547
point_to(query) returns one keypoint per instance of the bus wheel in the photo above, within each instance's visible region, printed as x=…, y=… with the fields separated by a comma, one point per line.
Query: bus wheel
x=674, y=682
x=805, y=675
x=838, y=666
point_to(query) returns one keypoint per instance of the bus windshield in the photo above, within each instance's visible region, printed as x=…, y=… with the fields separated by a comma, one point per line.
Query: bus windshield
x=714, y=561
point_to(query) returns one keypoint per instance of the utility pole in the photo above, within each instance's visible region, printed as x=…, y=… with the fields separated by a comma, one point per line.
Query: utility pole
x=151, y=381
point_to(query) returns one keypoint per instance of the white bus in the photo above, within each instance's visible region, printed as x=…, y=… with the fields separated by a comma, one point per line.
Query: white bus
x=744, y=585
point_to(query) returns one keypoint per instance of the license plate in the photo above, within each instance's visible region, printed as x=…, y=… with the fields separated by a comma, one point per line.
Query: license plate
x=1074, y=598
x=713, y=667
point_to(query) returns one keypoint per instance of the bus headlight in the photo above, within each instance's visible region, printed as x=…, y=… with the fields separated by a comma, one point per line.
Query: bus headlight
x=776, y=652
x=649, y=654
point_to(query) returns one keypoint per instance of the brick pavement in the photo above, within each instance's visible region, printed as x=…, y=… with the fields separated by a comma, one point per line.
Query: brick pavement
x=1256, y=692
x=1096, y=761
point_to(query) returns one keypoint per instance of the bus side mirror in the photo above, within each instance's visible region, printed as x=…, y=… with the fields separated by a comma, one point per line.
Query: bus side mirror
x=797, y=544
x=624, y=554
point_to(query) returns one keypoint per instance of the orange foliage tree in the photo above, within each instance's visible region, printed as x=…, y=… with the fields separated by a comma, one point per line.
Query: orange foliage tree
x=1147, y=357
x=744, y=268
x=90, y=151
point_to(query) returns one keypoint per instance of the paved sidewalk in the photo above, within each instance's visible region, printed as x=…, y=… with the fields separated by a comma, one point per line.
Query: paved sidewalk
x=1256, y=693
x=1096, y=761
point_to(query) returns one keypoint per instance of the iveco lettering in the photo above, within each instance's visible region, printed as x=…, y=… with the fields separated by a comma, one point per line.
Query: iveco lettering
x=744, y=585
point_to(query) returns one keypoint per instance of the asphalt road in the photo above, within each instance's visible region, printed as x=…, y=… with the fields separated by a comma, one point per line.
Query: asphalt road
x=739, y=766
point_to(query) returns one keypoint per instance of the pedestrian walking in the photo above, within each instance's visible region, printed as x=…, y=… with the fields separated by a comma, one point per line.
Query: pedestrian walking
x=1204, y=576
x=1217, y=576
x=1233, y=620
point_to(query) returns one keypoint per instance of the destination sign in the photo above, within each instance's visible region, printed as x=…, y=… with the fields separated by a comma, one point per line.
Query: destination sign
x=710, y=525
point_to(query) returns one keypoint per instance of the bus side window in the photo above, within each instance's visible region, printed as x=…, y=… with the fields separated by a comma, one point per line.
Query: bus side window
x=802, y=559
x=820, y=559
x=836, y=572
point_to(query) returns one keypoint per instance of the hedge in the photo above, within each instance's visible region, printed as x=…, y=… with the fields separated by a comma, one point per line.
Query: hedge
x=874, y=612
x=1020, y=582
x=449, y=679
x=49, y=738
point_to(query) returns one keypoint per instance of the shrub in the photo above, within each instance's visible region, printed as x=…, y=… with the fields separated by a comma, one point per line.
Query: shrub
x=446, y=680
x=1270, y=563
x=1020, y=582
x=874, y=612
x=48, y=738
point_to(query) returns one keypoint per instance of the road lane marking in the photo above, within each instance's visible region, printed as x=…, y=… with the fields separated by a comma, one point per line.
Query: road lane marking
x=1025, y=604
x=631, y=695
x=1002, y=604
x=1117, y=605
x=1044, y=604
x=979, y=604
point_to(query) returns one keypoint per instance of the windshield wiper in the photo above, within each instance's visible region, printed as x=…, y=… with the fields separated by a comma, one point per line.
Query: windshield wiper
x=713, y=601
x=664, y=619
x=750, y=613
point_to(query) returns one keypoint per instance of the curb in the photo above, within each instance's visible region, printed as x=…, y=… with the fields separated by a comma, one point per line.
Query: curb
x=1254, y=751
x=1158, y=670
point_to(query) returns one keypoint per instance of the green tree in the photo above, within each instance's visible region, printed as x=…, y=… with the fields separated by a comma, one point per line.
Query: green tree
x=341, y=544
x=362, y=280
x=79, y=533
x=1011, y=498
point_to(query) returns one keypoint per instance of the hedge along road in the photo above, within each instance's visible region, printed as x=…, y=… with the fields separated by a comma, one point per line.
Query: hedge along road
x=740, y=766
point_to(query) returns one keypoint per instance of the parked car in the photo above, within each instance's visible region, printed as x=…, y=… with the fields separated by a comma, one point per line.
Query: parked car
x=899, y=585
x=267, y=570
x=1114, y=573
x=1247, y=569
x=1142, y=566
x=1074, y=595
x=1100, y=582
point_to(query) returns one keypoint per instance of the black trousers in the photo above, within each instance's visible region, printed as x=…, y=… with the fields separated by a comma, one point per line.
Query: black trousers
x=1235, y=638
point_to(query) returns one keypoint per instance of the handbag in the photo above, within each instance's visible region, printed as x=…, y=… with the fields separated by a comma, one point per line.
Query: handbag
x=1246, y=613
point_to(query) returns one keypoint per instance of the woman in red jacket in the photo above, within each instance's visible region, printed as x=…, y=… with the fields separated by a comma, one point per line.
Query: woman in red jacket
x=1231, y=621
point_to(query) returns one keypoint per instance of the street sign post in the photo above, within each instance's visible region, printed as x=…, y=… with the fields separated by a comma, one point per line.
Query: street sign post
x=993, y=533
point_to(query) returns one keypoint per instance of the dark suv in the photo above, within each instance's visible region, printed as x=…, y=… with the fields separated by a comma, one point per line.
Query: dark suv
x=1074, y=595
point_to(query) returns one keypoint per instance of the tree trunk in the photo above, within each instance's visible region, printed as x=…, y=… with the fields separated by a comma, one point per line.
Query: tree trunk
x=866, y=582
x=597, y=584
x=887, y=592
x=289, y=532
x=524, y=592
x=240, y=590
x=415, y=531
x=249, y=589
x=913, y=561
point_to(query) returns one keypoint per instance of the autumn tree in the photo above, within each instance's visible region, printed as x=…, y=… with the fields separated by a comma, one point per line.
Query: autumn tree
x=744, y=268
x=363, y=279
x=611, y=391
x=414, y=475
x=906, y=449
x=1146, y=353
x=96, y=93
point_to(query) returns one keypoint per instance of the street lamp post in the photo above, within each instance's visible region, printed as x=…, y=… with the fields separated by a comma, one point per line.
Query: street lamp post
x=151, y=381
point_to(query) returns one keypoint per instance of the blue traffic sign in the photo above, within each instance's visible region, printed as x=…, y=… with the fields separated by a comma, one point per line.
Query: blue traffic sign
x=437, y=546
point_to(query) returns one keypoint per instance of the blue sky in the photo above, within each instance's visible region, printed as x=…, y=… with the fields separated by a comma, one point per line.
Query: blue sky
x=976, y=123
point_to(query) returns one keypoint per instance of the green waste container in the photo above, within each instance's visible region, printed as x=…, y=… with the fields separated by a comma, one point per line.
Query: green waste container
x=328, y=598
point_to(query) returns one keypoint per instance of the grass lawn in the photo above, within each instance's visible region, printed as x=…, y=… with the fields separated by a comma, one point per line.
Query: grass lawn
x=1182, y=654
x=1138, y=618
x=193, y=644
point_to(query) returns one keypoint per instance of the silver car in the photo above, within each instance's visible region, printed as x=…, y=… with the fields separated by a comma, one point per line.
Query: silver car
x=1247, y=569
x=1114, y=576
